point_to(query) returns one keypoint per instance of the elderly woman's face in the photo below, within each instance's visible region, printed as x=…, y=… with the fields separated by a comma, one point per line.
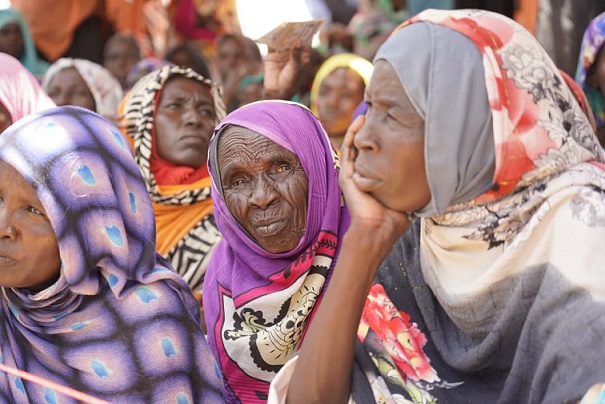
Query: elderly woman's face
x=29, y=253
x=339, y=94
x=390, y=145
x=265, y=188
x=184, y=120
x=68, y=87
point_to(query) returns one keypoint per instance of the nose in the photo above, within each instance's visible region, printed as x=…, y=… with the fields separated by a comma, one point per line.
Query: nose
x=61, y=99
x=7, y=229
x=364, y=140
x=192, y=116
x=263, y=195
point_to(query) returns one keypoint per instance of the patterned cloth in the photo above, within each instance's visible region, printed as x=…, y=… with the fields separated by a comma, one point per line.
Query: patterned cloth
x=256, y=303
x=119, y=324
x=20, y=92
x=501, y=298
x=592, y=43
x=186, y=232
x=105, y=88
x=29, y=58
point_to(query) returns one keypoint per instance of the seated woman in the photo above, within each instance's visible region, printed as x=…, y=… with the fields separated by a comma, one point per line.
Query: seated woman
x=590, y=74
x=496, y=293
x=86, y=300
x=279, y=208
x=17, y=41
x=84, y=84
x=20, y=93
x=169, y=116
x=337, y=90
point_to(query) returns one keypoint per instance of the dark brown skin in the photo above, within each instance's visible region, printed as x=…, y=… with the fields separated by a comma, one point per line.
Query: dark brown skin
x=29, y=253
x=381, y=151
x=184, y=120
x=283, y=70
x=11, y=40
x=265, y=188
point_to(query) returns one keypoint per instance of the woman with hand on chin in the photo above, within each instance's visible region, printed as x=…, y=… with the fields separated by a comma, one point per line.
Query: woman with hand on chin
x=496, y=293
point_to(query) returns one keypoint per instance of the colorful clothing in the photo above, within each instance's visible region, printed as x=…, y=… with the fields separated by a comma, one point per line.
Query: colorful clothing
x=118, y=324
x=105, y=88
x=29, y=58
x=257, y=304
x=20, y=92
x=497, y=293
x=592, y=43
x=186, y=232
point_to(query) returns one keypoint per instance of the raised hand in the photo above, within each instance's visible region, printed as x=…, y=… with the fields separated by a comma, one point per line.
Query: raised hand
x=283, y=69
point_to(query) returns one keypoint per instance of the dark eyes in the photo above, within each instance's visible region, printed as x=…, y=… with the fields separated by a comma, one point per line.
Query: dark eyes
x=33, y=210
x=278, y=168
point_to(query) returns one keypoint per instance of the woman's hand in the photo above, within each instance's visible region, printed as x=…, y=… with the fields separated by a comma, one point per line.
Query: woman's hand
x=365, y=210
x=283, y=69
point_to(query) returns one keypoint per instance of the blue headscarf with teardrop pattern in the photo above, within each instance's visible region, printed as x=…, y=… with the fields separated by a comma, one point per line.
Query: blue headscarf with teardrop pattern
x=118, y=324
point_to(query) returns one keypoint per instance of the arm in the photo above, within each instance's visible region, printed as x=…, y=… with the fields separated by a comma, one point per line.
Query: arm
x=323, y=370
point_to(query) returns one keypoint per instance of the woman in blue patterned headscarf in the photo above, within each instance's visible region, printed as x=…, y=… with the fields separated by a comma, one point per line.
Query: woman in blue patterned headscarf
x=112, y=319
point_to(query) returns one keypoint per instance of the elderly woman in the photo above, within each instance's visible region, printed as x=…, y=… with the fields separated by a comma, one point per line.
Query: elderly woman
x=590, y=74
x=84, y=84
x=17, y=41
x=20, y=93
x=279, y=207
x=86, y=301
x=496, y=293
x=169, y=115
x=337, y=90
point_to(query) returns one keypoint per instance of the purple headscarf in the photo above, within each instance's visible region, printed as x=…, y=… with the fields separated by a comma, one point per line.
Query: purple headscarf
x=119, y=323
x=592, y=43
x=258, y=304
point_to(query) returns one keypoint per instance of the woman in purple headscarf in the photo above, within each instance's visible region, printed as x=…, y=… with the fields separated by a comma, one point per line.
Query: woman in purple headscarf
x=279, y=207
x=86, y=301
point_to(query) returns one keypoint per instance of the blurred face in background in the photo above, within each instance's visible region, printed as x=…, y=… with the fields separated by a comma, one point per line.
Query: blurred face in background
x=11, y=40
x=68, y=87
x=5, y=118
x=120, y=55
x=339, y=94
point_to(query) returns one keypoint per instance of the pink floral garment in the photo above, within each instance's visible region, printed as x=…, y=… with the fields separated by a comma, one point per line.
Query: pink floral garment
x=548, y=200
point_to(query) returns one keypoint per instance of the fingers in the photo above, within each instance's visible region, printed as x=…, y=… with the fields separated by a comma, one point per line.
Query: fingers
x=347, y=145
x=348, y=151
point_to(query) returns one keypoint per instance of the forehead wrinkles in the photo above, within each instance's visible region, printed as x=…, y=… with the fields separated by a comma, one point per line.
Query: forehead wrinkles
x=242, y=145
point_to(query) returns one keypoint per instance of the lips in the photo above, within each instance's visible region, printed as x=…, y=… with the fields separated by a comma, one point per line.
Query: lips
x=364, y=178
x=6, y=260
x=269, y=228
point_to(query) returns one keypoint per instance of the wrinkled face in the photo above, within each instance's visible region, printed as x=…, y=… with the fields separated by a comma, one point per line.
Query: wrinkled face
x=265, y=188
x=11, y=40
x=339, y=94
x=184, y=120
x=68, y=87
x=5, y=118
x=119, y=57
x=29, y=253
x=390, y=145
